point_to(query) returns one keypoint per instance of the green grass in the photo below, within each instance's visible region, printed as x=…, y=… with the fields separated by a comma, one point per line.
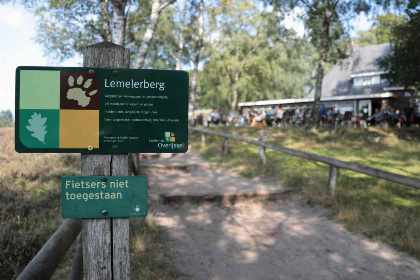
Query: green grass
x=377, y=208
x=30, y=213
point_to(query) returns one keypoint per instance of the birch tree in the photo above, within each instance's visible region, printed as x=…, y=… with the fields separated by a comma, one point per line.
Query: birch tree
x=157, y=9
x=198, y=50
x=181, y=38
x=119, y=21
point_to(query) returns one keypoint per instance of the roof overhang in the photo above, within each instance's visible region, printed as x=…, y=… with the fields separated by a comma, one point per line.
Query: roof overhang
x=393, y=88
x=367, y=74
x=308, y=100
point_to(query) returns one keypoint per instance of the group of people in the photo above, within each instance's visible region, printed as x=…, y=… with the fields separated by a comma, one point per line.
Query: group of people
x=254, y=118
x=387, y=117
x=277, y=116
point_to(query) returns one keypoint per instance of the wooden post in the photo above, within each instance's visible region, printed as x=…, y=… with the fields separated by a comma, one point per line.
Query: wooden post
x=225, y=146
x=263, y=159
x=105, y=241
x=203, y=139
x=332, y=179
x=137, y=160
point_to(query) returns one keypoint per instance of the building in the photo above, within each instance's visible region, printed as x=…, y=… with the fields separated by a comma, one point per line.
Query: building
x=353, y=85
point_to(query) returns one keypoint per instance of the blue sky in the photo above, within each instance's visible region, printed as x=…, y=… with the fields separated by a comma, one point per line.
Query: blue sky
x=18, y=47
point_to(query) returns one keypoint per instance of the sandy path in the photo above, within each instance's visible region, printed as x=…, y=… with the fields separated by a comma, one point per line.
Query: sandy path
x=282, y=239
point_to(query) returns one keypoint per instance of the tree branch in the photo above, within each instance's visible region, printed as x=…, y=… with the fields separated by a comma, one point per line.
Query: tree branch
x=163, y=6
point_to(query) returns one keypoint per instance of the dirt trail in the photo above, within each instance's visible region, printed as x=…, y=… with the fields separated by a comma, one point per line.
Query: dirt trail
x=281, y=239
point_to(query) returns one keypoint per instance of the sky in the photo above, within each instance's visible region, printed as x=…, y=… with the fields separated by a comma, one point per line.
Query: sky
x=18, y=46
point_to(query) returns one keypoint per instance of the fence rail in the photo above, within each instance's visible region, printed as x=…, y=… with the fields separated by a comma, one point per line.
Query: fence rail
x=335, y=164
x=44, y=264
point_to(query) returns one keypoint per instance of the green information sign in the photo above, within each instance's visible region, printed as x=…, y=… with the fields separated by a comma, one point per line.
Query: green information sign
x=103, y=196
x=95, y=110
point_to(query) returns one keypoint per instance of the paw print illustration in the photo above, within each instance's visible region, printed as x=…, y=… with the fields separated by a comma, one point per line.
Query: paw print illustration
x=78, y=92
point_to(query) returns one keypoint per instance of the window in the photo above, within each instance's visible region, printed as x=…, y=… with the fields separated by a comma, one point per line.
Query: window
x=376, y=80
x=367, y=81
x=358, y=82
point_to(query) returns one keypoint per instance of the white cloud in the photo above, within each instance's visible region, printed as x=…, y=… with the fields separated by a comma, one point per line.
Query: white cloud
x=11, y=16
x=17, y=48
x=360, y=23
x=294, y=21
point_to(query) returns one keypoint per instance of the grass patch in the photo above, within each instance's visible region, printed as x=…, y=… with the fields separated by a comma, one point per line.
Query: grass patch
x=30, y=213
x=382, y=210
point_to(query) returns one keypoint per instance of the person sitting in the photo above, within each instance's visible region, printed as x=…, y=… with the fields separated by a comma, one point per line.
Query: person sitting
x=270, y=116
x=258, y=120
x=215, y=117
x=329, y=117
x=232, y=117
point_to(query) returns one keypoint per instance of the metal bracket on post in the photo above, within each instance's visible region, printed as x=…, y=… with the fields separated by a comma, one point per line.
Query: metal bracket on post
x=332, y=180
x=106, y=241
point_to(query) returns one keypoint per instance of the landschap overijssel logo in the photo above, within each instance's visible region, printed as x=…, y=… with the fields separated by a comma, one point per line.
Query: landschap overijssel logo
x=169, y=137
x=170, y=142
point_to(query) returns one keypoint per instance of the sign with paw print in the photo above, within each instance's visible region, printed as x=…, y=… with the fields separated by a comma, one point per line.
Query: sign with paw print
x=95, y=110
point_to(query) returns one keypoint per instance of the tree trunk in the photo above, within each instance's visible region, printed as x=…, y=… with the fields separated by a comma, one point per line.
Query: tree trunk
x=321, y=66
x=157, y=8
x=181, y=39
x=235, y=96
x=105, y=15
x=118, y=21
x=198, y=48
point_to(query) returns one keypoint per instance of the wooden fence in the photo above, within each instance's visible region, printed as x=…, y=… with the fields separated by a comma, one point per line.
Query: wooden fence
x=335, y=164
x=44, y=264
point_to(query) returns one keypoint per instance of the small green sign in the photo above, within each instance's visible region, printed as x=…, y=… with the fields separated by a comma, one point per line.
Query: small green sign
x=103, y=196
x=96, y=110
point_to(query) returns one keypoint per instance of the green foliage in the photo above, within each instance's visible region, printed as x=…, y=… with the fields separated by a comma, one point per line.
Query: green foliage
x=381, y=31
x=250, y=56
x=402, y=65
x=66, y=27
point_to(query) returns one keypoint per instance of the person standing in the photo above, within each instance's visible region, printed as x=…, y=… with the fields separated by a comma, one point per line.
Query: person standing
x=323, y=114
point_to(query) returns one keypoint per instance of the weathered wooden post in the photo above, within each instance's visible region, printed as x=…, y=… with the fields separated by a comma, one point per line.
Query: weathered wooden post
x=225, y=146
x=263, y=159
x=332, y=179
x=203, y=139
x=105, y=241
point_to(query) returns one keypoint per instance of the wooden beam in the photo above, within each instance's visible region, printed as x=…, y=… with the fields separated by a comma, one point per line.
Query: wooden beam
x=76, y=271
x=44, y=264
x=120, y=228
x=99, y=244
